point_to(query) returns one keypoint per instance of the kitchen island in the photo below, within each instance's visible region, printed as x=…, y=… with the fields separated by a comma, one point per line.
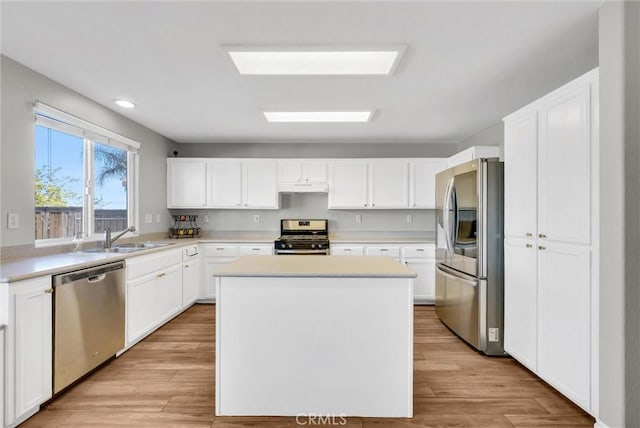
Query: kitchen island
x=321, y=335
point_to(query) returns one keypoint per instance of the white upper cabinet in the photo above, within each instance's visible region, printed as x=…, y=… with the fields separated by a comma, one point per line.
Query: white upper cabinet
x=260, y=189
x=475, y=152
x=302, y=171
x=422, y=181
x=520, y=175
x=564, y=167
x=349, y=184
x=224, y=183
x=186, y=183
x=389, y=183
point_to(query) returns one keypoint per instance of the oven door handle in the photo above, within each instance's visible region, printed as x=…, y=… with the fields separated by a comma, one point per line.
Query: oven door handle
x=301, y=251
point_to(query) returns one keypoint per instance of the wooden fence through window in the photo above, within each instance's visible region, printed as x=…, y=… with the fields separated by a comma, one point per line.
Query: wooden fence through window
x=66, y=222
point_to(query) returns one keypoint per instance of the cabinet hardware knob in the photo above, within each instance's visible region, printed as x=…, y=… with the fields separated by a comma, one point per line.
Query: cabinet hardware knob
x=528, y=245
x=542, y=235
x=529, y=234
x=160, y=275
x=541, y=247
x=365, y=205
x=49, y=290
x=186, y=266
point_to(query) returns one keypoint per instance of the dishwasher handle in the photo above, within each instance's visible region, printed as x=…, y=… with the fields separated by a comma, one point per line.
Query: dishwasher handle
x=92, y=274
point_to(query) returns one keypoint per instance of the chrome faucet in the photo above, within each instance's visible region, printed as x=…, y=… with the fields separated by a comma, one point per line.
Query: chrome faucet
x=107, y=235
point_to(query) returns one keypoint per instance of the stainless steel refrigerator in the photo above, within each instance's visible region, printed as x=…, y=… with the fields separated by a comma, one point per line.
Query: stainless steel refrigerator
x=469, y=256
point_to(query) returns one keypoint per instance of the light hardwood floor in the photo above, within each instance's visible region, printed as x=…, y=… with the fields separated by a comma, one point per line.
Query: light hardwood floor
x=167, y=380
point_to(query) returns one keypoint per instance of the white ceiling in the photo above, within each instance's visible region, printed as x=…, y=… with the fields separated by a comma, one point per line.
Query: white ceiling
x=467, y=64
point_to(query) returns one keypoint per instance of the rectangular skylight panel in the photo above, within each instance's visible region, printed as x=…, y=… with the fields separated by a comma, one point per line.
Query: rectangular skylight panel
x=315, y=62
x=317, y=116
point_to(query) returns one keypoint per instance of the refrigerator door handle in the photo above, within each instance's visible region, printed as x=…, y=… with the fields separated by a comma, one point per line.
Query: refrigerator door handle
x=458, y=276
x=446, y=216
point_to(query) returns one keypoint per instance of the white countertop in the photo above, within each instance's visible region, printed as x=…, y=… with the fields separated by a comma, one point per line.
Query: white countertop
x=26, y=268
x=316, y=266
x=18, y=270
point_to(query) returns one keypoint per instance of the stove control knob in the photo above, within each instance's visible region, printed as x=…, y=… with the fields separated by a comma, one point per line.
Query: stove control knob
x=290, y=245
x=283, y=245
x=313, y=246
x=319, y=245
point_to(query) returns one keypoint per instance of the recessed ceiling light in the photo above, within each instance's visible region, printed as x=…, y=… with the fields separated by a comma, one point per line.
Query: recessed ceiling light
x=125, y=103
x=317, y=116
x=317, y=61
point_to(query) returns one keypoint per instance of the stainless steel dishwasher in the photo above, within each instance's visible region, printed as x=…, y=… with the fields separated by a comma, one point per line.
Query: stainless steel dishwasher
x=88, y=315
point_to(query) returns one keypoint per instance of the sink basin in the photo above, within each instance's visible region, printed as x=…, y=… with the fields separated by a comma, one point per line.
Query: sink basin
x=113, y=250
x=143, y=245
x=128, y=248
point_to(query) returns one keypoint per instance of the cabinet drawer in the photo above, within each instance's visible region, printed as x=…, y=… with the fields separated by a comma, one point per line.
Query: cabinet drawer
x=256, y=250
x=143, y=265
x=347, y=251
x=419, y=252
x=383, y=251
x=221, y=250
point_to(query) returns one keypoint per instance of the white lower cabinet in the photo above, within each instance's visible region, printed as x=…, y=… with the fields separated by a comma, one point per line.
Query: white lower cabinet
x=28, y=338
x=154, y=292
x=564, y=319
x=420, y=258
x=218, y=255
x=190, y=275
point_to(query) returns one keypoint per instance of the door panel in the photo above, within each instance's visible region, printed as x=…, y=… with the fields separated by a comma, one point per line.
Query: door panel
x=565, y=169
x=521, y=301
x=520, y=171
x=564, y=319
x=457, y=304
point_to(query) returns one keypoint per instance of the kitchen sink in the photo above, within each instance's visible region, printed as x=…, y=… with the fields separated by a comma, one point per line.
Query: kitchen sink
x=127, y=248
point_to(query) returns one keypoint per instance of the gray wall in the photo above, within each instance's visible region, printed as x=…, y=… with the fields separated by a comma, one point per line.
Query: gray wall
x=491, y=136
x=619, y=45
x=316, y=150
x=314, y=205
x=22, y=86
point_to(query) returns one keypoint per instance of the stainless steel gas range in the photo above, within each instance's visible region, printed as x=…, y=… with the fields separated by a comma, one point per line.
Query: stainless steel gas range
x=303, y=236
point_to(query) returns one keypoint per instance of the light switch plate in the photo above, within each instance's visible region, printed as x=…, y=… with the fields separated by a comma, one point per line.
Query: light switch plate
x=148, y=218
x=256, y=218
x=13, y=221
x=358, y=218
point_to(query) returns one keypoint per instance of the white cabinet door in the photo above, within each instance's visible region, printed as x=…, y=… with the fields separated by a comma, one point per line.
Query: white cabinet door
x=564, y=169
x=424, y=286
x=521, y=301
x=141, y=307
x=224, y=183
x=389, y=183
x=520, y=175
x=260, y=185
x=168, y=292
x=565, y=323
x=348, y=184
x=186, y=183
x=29, y=347
x=422, y=182
x=314, y=171
x=209, y=283
x=289, y=171
x=190, y=281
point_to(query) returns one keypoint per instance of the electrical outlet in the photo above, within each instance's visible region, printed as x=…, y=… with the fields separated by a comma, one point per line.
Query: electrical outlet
x=206, y=218
x=409, y=218
x=13, y=221
x=358, y=218
x=158, y=218
x=256, y=218
x=148, y=218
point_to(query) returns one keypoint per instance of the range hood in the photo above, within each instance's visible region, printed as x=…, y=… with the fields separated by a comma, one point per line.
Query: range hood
x=303, y=187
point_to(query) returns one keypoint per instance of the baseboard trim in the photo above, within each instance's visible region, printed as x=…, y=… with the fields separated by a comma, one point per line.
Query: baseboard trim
x=600, y=424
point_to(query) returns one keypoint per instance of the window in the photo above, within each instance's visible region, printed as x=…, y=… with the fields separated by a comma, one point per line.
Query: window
x=84, y=178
